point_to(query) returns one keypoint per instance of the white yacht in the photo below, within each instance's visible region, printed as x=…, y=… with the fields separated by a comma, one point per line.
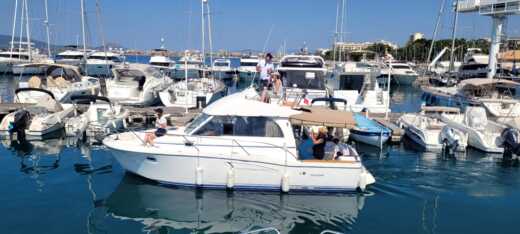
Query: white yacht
x=222, y=70
x=63, y=81
x=475, y=64
x=247, y=70
x=136, y=84
x=304, y=78
x=193, y=93
x=93, y=119
x=497, y=96
x=238, y=143
x=37, y=121
x=356, y=83
x=483, y=134
x=400, y=73
x=194, y=65
x=160, y=59
x=430, y=133
x=71, y=56
x=100, y=64
x=13, y=61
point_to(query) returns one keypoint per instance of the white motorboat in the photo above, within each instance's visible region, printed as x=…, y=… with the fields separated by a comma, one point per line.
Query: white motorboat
x=400, y=73
x=247, y=70
x=97, y=119
x=100, y=64
x=304, y=78
x=483, y=134
x=497, y=96
x=38, y=120
x=193, y=65
x=160, y=59
x=430, y=133
x=181, y=209
x=222, y=70
x=238, y=143
x=136, y=84
x=475, y=64
x=357, y=83
x=198, y=93
x=63, y=81
x=72, y=56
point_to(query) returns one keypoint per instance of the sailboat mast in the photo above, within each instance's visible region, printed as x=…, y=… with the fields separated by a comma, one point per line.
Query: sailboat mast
x=28, y=29
x=22, y=19
x=82, y=3
x=453, y=36
x=47, y=29
x=437, y=25
x=14, y=28
x=203, y=48
x=210, y=39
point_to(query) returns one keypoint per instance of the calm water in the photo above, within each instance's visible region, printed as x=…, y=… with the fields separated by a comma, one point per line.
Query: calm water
x=61, y=186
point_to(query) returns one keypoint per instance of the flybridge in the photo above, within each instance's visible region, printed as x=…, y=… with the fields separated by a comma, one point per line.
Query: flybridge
x=490, y=7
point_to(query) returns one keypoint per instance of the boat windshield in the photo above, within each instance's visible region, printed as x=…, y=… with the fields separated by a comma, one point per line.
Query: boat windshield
x=304, y=79
x=195, y=123
x=400, y=67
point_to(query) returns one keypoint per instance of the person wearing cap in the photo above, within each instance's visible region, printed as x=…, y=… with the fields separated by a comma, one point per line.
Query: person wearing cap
x=319, y=140
x=265, y=68
x=160, y=124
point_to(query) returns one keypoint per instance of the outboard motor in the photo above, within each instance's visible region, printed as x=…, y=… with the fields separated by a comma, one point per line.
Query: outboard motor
x=511, y=143
x=20, y=123
x=141, y=81
x=451, y=140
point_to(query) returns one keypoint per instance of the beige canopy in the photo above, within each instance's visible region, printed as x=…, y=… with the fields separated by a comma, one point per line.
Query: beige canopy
x=320, y=116
x=478, y=82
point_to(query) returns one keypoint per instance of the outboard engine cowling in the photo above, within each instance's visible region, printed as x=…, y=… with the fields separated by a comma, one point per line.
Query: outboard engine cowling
x=511, y=142
x=20, y=123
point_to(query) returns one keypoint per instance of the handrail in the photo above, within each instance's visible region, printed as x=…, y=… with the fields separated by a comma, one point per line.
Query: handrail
x=263, y=230
x=242, y=147
x=233, y=140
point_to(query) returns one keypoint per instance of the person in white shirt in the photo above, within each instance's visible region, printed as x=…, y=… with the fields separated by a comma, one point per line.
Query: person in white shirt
x=160, y=124
x=265, y=68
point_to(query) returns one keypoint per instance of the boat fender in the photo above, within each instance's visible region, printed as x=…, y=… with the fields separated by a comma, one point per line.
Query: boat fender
x=198, y=176
x=230, y=183
x=285, y=183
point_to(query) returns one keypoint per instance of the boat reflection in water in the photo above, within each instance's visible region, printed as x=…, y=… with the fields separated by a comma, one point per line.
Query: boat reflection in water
x=213, y=211
x=37, y=157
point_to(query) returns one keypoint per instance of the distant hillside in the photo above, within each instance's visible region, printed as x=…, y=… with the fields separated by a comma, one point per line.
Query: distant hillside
x=5, y=40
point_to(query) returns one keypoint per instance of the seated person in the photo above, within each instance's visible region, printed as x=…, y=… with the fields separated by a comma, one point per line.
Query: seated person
x=160, y=124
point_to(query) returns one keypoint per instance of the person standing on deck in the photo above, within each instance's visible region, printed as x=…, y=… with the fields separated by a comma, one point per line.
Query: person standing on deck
x=265, y=68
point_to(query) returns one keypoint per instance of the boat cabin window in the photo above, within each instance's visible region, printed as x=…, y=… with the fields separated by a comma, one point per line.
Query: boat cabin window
x=221, y=64
x=304, y=79
x=108, y=58
x=15, y=56
x=248, y=64
x=75, y=57
x=240, y=126
x=351, y=82
x=400, y=67
x=160, y=64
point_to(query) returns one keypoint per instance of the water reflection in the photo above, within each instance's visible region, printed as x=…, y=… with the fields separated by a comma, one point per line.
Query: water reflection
x=163, y=208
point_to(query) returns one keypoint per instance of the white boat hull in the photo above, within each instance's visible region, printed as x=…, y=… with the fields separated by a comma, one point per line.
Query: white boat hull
x=219, y=166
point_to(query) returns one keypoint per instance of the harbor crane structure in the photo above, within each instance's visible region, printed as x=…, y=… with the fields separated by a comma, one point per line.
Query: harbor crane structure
x=498, y=10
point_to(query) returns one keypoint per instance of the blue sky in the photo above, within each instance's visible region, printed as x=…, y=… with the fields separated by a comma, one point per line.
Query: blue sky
x=243, y=24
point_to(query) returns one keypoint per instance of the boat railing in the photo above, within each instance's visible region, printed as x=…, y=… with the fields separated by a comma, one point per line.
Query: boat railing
x=233, y=142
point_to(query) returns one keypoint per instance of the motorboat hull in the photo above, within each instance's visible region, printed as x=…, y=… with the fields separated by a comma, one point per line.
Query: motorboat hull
x=369, y=137
x=204, y=166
